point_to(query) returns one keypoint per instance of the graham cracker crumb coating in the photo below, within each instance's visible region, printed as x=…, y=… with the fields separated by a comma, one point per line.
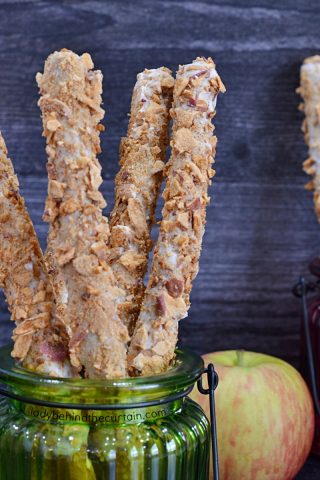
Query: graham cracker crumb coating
x=177, y=251
x=310, y=92
x=40, y=341
x=142, y=156
x=79, y=235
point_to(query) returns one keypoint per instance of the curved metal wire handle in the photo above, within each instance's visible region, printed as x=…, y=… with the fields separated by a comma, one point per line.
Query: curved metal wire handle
x=300, y=290
x=213, y=381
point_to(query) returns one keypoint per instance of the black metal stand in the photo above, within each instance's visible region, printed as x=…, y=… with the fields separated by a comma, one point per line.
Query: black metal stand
x=213, y=381
x=301, y=290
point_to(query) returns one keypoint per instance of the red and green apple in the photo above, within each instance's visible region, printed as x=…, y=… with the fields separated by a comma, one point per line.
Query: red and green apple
x=265, y=416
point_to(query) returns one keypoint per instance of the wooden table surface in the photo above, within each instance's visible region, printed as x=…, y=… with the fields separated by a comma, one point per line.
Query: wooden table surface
x=261, y=230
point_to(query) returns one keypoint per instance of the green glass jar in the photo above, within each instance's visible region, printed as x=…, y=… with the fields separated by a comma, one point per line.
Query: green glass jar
x=76, y=429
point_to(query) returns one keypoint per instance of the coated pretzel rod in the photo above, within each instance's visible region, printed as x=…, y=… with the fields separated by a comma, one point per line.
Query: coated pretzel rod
x=142, y=155
x=177, y=251
x=310, y=92
x=78, y=235
x=40, y=341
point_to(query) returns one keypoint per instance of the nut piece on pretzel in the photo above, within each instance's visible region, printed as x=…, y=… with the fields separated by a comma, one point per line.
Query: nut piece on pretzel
x=40, y=340
x=78, y=236
x=310, y=91
x=177, y=251
x=142, y=155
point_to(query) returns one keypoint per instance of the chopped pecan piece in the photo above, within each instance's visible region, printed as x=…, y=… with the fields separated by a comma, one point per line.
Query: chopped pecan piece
x=184, y=141
x=132, y=260
x=86, y=264
x=183, y=220
x=137, y=217
x=56, y=189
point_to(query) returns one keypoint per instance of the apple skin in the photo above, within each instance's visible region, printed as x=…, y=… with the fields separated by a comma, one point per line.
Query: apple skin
x=265, y=416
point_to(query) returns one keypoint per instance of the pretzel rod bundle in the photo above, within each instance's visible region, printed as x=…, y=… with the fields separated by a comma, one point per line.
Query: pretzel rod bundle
x=78, y=236
x=177, y=251
x=310, y=92
x=76, y=310
x=142, y=156
x=40, y=340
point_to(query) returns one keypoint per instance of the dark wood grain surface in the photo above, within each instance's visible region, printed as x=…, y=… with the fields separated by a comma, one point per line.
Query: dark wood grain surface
x=261, y=230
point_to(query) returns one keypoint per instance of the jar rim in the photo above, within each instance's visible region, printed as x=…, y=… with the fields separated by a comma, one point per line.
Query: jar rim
x=32, y=387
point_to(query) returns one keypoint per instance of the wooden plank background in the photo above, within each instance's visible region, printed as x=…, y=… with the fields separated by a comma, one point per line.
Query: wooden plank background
x=261, y=230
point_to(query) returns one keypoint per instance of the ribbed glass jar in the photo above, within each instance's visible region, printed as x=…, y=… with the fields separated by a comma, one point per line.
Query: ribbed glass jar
x=128, y=429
